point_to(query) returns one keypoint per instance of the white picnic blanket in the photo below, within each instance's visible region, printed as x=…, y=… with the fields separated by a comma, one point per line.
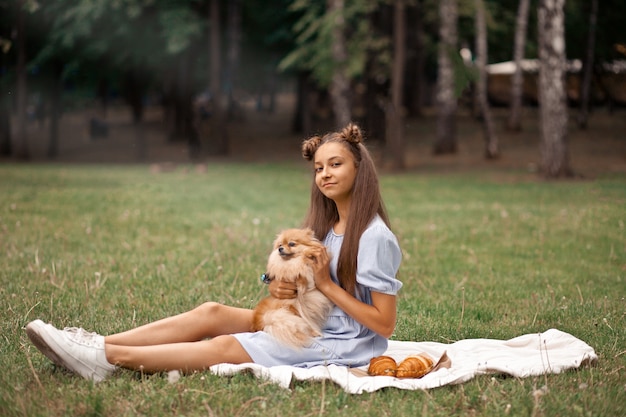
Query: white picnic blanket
x=553, y=351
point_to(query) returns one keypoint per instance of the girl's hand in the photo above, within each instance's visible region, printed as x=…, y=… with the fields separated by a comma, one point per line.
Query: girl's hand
x=282, y=290
x=320, y=262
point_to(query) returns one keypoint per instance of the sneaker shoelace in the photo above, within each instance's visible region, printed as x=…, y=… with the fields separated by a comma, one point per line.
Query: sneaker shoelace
x=80, y=335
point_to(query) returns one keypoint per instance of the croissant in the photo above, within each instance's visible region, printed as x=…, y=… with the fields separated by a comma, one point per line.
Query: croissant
x=414, y=366
x=382, y=365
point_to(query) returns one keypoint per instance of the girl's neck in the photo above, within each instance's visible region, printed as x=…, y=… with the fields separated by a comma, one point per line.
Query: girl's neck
x=343, y=210
x=339, y=228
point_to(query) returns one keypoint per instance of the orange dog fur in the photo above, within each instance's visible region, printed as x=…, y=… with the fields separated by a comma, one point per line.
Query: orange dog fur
x=293, y=321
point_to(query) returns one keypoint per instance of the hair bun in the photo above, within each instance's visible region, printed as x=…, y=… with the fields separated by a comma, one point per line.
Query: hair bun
x=352, y=133
x=309, y=147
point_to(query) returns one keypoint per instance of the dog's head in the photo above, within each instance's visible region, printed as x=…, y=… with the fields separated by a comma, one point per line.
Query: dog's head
x=292, y=243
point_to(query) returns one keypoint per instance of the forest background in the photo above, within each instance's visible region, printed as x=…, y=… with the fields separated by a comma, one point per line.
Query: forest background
x=188, y=81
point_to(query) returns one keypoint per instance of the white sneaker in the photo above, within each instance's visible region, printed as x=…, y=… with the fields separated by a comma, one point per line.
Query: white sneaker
x=78, y=333
x=75, y=349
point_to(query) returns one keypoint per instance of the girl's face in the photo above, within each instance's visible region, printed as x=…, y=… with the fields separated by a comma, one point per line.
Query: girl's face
x=335, y=171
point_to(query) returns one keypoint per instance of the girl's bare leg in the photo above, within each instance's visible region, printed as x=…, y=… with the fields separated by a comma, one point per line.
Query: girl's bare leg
x=187, y=357
x=207, y=320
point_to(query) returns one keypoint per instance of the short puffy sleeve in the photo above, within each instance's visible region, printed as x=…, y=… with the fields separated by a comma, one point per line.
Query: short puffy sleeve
x=379, y=259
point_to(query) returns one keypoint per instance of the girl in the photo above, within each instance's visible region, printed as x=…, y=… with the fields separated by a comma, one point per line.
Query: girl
x=357, y=272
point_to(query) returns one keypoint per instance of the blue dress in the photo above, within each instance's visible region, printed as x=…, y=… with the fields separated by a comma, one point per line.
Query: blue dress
x=344, y=341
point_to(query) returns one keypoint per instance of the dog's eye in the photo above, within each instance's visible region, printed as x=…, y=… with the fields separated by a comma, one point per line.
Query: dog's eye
x=292, y=244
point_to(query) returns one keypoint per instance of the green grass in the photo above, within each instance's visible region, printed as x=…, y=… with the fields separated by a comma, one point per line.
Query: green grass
x=110, y=247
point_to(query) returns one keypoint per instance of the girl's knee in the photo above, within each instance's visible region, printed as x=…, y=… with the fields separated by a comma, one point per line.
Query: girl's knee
x=209, y=308
x=222, y=319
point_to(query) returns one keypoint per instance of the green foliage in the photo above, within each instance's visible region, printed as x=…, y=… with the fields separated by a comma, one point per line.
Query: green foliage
x=268, y=24
x=123, y=30
x=464, y=75
x=110, y=247
x=180, y=25
x=314, y=40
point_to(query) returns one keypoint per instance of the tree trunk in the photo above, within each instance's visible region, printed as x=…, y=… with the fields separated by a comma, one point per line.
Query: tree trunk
x=185, y=95
x=420, y=60
x=446, y=99
x=234, y=47
x=55, y=109
x=588, y=63
x=395, y=112
x=492, y=149
x=6, y=148
x=134, y=88
x=103, y=95
x=5, y=115
x=267, y=87
x=5, y=129
x=414, y=83
x=340, y=85
x=302, y=121
x=376, y=92
x=517, y=81
x=21, y=140
x=219, y=128
x=552, y=98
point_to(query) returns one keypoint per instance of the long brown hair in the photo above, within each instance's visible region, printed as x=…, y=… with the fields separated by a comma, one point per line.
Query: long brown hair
x=366, y=201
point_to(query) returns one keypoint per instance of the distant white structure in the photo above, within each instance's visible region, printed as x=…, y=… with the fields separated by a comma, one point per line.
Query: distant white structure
x=529, y=66
x=609, y=84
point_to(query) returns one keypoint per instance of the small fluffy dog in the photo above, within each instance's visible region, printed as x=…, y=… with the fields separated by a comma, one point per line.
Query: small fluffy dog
x=293, y=321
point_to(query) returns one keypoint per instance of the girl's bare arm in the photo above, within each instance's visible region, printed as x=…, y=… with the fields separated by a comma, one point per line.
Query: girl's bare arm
x=380, y=317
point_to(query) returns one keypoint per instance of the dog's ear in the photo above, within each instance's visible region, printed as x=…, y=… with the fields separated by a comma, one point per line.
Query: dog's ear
x=311, y=235
x=279, y=239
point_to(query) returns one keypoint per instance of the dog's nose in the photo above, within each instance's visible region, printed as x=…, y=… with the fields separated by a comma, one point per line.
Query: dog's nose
x=281, y=249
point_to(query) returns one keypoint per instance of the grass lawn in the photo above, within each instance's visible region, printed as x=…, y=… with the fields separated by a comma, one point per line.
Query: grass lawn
x=111, y=247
